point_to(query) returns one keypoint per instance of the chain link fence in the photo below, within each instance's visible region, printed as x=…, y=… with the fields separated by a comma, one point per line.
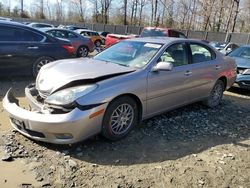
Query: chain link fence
x=238, y=38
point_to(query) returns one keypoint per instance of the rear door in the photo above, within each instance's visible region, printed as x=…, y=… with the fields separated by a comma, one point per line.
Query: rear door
x=169, y=89
x=204, y=70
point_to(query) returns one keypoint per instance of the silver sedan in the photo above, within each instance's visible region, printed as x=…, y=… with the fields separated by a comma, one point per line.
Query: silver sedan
x=121, y=86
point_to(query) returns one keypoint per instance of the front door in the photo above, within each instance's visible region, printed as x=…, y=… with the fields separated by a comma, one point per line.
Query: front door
x=169, y=89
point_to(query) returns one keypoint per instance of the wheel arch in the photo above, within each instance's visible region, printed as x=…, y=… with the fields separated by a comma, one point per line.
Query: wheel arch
x=83, y=45
x=224, y=80
x=136, y=99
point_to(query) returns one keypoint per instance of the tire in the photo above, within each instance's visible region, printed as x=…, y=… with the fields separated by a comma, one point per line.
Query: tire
x=98, y=43
x=82, y=51
x=216, y=94
x=120, y=118
x=39, y=63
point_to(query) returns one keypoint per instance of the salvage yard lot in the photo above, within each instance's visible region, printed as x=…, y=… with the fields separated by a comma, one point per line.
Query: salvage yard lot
x=189, y=147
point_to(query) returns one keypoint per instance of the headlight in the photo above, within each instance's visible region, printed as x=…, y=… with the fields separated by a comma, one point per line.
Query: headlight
x=246, y=71
x=69, y=95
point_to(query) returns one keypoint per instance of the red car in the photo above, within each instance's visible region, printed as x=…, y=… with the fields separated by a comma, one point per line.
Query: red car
x=112, y=39
x=146, y=32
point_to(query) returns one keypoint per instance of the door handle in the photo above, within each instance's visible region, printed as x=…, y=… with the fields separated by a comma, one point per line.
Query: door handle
x=33, y=47
x=8, y=55
x=217, y=67
x=187, y=73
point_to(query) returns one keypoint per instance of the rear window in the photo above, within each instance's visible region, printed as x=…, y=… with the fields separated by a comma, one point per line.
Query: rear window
x=18, y=34
x=153, y=33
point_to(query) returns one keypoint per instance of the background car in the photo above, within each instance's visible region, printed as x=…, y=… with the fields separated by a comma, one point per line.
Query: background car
x=242, y=58
x=93, y=35
x=25, y=50
x=5, y=19
x=82, y=45
x=224, y=47
x=103, y=34
x=112, y=39
x=74, y=27
x=161, y=32
x=40, y=25
x=112, y=92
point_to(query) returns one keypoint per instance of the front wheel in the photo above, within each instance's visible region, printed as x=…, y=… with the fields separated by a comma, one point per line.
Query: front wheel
x=39, y=63
x=216, y=94
x=120, y=117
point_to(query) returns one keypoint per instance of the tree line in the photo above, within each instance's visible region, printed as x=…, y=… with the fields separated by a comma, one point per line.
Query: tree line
x=206, y=15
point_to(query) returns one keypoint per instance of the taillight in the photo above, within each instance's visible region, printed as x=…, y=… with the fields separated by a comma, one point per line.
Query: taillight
x=70, y=49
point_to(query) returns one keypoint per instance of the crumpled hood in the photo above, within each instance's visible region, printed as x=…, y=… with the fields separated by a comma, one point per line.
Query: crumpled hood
x=242, y=62
x=59, y=73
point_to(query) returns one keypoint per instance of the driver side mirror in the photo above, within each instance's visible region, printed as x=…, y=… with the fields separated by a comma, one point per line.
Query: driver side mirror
x=163, y=66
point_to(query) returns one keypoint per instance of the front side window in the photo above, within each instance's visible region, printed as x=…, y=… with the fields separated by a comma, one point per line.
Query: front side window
x=130, y=53
x=175, y=54
x=201, y=53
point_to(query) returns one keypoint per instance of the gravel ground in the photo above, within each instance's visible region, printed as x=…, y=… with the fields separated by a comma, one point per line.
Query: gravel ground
x=193, y=146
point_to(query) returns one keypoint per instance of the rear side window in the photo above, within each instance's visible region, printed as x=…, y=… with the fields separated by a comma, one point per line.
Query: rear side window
x=201, y=53
x=71, y=35
x=153, y=33
x=56, y=33
x=18, y=34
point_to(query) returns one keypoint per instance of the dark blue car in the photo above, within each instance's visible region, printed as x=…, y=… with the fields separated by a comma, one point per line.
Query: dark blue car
x=24, y=50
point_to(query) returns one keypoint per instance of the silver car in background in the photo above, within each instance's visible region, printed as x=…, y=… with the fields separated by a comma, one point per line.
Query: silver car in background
x=121, y=86
x=242, y=57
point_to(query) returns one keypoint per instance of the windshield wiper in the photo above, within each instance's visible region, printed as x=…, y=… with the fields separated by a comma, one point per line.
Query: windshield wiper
x=122, y=64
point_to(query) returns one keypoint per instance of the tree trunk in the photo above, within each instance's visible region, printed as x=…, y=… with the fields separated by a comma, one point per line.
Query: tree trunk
x=230, y=15
x=220, y=15
x=125, y=12
x=236, y=14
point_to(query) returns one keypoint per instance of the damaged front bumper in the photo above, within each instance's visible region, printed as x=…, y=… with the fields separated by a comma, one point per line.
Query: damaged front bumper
x=38, y=124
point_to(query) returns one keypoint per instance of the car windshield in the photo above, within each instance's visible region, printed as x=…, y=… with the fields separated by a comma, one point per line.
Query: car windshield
x=242, y=52
x=130, y=53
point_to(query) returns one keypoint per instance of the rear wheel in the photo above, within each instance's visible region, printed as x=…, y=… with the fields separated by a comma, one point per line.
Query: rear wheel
x=216, y=94
x=98, y=43
x=120, y=117
x=39, y=63
x=82, y=51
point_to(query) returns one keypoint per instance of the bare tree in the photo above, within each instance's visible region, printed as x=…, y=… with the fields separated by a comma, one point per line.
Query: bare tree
x=142, y=4
x=125, y=12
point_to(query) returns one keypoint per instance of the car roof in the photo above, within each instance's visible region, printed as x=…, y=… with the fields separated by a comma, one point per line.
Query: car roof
x=88, y=30
x=8, y=22
x=164, y=40
x=39, y=23
x=20, y=25
x=60, y=29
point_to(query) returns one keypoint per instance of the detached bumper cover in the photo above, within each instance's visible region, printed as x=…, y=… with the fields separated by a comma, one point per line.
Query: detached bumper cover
x=76, y=124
